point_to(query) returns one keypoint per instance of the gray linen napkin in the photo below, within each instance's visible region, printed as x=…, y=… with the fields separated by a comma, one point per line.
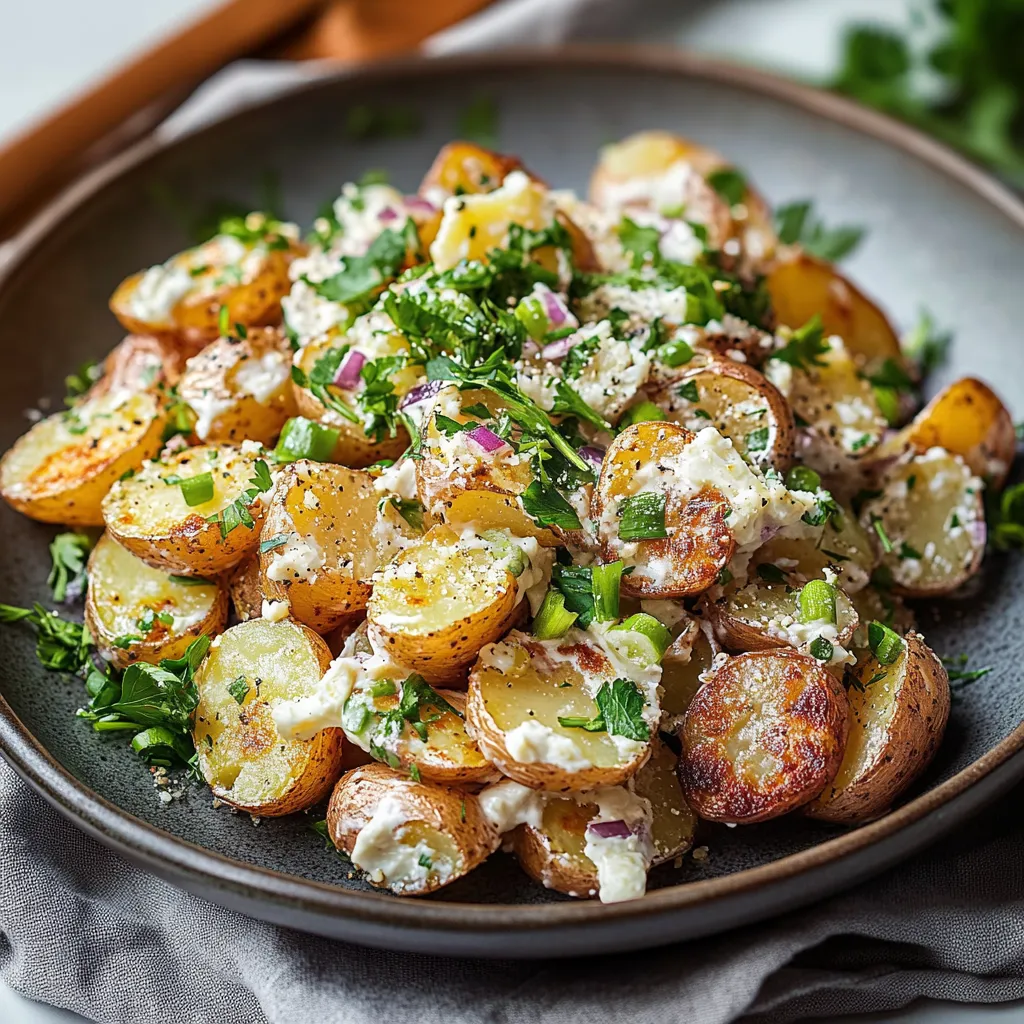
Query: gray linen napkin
x=82, y=929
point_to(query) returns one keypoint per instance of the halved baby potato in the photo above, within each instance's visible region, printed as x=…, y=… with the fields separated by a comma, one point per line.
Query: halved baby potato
x=464, y=168
x=803, y=286
x=686, y=660
x=690, y=537
x=137, y=613
x=898, y=715
x=764, y=735
x=929, y=522
x=441, y=600
x=240, y=388
x=967, y=419
x=763, y=616
x=463, y=485
x=657, y=171
x=741, y=404
x=246, y=762
x=373, y=336
x=155, y=514
x=410, y=837
x=183, y=297
x=317, y=550
x=414, y=728
x=141, y=362
x=533, y=709
x=842, y=421
x=673, y=821
x=61, y=469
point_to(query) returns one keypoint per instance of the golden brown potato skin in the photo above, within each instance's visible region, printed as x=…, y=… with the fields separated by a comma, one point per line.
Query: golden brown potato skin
x=700, y=545
x=968, y=419
x=777, y=703
x=244, y=587
x=554, y=855
x=884, y=757
x=804, y=285
x=452, y=812
x=143, y=361
x=467, y=167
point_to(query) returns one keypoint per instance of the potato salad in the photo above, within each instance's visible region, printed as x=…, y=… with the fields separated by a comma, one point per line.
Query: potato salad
x=493, y=517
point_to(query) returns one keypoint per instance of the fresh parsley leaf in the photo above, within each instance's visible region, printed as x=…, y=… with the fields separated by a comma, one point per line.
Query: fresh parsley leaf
x=547, y=507
x=68, y=553
x=61, y=645
x=576, y=585
x=410, y=510
x=770, y=573
x=237, y=513
x=622, y=708
x=569, y=403
x=729, y=183
x=926, y=344
x=796, y=224
x=642, y=243
x=79, y=382
x=360, y=276
x=806, y=347
x=757, y=440
x=239, y=689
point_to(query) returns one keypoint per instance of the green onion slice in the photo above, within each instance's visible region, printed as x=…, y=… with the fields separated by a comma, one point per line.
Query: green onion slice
x=553, y=620
x=642, y=517
x=604, y=581
x=886, y=644
x=197, y=490
x=306, y=439
x=818, y=602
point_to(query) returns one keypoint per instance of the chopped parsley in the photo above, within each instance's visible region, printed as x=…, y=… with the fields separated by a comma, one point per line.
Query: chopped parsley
x=796, y=225
x=237, y=513
x=729, y=183
x=68, y=552
x=239, y=689
x=806, y=346
x=621, y=707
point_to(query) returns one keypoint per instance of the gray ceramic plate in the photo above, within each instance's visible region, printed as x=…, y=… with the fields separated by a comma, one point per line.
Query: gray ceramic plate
x=940, y=235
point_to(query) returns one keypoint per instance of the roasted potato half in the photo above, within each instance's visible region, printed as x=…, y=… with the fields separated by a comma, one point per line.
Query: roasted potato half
x=412, y=727
x=142, y=362
x=61, y=469
x=764, y=735
x=673, y=822
x=967, y=419
x=137, y=613
x=929, y=522
x=844, y=424
x=247, y=272
x=765, y=615
x=530, y=702
x=198, y=511
x=370, y=337
x=464, y=168
x=898, y=714
x=317, y=550
x=686, y=660
x=803, y=286
x=246, y=762
x=410, y=837
x=442, y=599
x=741, y=404
x=240, y=388
x=690, y=540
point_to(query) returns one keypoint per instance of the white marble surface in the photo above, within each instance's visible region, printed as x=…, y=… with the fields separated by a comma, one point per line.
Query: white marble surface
x=47, y=66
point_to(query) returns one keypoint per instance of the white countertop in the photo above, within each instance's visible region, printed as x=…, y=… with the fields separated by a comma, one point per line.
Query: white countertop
x=44, y=67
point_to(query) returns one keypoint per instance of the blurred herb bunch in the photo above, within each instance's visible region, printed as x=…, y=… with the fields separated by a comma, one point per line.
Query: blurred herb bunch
x=956, y=71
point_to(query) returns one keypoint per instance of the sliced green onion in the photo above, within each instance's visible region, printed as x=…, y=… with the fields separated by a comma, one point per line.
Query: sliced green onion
x=888, y=400
x=383, y=688
x=305, y=439
x=531, y=314
x=689, y=391
x=882, y=536
x=503, y=548
x=818, y=602
x=553, y=620
x=604, y=581
x=191, y=581
x=641, y=638
x=643, y=412
x=197, y=490
x=675, y=353
x=224, y=321
x=886, y=644
x=822, y=649
x=642, y=516
x=800, y=478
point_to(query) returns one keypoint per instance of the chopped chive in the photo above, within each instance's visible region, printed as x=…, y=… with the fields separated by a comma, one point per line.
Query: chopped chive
x=886, y=644
x=818, y=602
x=821, y=649
x=800, y=478
x=882, y=535
x=197, y=490
x=224, y=321
x=642, y=517
x=274, y=542
x=605, y=581
x=191, y=581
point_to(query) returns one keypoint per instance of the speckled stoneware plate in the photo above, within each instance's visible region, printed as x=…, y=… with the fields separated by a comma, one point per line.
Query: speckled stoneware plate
x=940, y=235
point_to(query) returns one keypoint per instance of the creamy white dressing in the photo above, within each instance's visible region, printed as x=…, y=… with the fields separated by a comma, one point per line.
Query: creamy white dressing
x=264, y=377
x=275, y=611
x=158, y=291
x=301, y=558
x=399, y=479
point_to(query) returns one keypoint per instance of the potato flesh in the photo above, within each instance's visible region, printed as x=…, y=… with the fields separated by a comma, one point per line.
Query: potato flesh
x=935, y=525
x=437, y=583
x=530, y=691
x=673, y=821
x=51, y=457
x=245, y=755
x=680, y=680
x=735, y=408
x=150, y=503
x=872, y=705
x=124, y=588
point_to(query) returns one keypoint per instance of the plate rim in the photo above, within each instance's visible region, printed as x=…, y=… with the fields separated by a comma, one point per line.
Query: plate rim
x=162, y=851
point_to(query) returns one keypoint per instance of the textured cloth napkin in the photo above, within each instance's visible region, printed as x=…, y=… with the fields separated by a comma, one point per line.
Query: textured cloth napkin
x=82, y=929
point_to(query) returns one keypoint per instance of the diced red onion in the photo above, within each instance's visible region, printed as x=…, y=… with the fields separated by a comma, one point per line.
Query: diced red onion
x=557, y=350
x=557, y=311
x=977, y=532
x=417, y=204
x=422, y=392
x=387, y=215
x=592, y=454
x=530, y=347
x=486, y=439
x=610, y=829
x=347, y=376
